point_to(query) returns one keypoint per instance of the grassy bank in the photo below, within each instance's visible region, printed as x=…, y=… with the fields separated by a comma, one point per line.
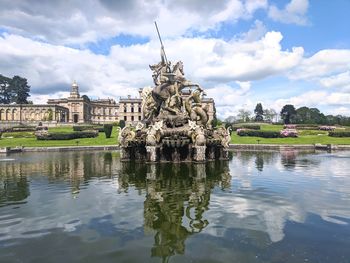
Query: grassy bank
x=27, y=139
x=305, y=137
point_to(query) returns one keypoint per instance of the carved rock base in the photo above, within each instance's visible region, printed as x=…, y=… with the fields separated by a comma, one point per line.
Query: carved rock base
x=199, y=153
x=151, y=153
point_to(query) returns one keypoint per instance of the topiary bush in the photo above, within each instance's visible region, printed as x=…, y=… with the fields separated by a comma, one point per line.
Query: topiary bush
x=65, y=136
x=88, y=128
x=121, y=124
x=246, y=126
x=108, y=130
x=339, y=134
x=257, y=133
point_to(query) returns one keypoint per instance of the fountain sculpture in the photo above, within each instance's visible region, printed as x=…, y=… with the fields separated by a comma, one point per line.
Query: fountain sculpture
x=175, y=125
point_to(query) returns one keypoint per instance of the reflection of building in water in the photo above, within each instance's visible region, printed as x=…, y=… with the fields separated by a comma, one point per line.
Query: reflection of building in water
x=72, y=167
x=177, y=197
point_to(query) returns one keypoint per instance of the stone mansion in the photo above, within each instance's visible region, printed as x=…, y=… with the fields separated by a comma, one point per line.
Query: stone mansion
x=79, y=109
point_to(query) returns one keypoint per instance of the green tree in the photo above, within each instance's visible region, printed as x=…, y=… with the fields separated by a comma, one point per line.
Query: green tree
x=288, y=113
x=21, y=89
x=259, y=112
x=5, y=90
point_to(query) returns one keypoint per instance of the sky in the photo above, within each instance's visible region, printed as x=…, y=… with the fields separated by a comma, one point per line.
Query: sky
x=242, y=52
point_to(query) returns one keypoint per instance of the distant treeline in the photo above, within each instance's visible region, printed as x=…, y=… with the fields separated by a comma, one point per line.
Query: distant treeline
x=14, y=90
x=289, y=114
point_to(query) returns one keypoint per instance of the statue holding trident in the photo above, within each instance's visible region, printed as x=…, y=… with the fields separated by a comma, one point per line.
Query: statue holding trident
x=168, y=80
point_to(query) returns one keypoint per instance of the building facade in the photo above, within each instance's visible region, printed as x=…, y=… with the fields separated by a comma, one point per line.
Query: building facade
x=81, y=109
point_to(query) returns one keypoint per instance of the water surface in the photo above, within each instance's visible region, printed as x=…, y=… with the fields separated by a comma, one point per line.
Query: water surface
x=258, y=207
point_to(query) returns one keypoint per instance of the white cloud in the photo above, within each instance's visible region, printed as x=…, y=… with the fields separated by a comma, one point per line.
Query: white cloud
x=82, y=21
x=293, y=13
x=317, y=98
x=341, y=80
x=214, y=64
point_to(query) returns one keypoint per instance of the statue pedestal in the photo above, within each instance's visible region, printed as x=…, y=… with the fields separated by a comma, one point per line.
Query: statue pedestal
x=199, y=153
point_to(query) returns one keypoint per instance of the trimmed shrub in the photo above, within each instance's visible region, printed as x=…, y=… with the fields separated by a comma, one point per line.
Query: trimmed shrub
x=246, y=126
x=41, y=128
x=289, y=126
x=339, y=134
x=20, y=128
x=121, y=124
x=257, y=133
x=65, y=136
x=88, y=128
x=108, y=130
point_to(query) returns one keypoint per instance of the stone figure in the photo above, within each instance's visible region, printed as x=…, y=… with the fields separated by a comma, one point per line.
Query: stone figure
x=154, y=134
x=197, y=134
x=223, y=135
x=196, y=111
x=148, y=105
x=126, y=136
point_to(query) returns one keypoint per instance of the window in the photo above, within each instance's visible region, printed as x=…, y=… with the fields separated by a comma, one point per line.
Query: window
x=132, y=118
x=132, y=109
x=125, y=118
x=139, y=109
x=124, y=108
x=139, y=118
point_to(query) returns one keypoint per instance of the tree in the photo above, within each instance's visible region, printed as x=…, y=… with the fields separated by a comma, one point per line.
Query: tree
x=303, y=115
x=21, y=89
x=270, y=114
x=259, y=112
x=5, y=90
x=214, y=121
x=244, y=115
x=288, y=113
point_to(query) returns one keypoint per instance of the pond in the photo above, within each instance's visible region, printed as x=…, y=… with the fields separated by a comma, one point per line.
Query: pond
x=284, y=206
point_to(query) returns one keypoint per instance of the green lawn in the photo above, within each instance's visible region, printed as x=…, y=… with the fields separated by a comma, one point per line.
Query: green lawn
x=305, y=137
x=33, y=142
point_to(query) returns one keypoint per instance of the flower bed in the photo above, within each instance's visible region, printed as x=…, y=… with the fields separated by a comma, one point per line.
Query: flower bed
x=327, y=128
x=289, y=133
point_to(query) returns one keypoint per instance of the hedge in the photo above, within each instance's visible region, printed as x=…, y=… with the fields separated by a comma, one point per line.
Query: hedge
x=66, y=136
x=246, y=126
x=90, y=127
x=263, y=134
x=339, y=134
x=20, y=128
x=108, y=130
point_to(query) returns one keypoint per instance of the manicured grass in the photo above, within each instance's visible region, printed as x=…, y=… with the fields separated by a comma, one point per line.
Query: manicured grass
x=33, y=142
x=305, y=137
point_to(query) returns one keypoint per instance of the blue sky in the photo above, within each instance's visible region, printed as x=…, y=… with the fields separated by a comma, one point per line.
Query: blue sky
x=242, y=51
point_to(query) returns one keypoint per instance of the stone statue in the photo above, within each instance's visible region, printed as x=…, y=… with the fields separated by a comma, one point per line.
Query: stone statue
x=154, y=134
x=194, y=108
x=223, y=135
x=126, y=136
x=175, y=125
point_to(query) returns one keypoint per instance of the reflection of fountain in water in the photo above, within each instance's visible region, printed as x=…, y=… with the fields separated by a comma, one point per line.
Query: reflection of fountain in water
x=177, y=197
